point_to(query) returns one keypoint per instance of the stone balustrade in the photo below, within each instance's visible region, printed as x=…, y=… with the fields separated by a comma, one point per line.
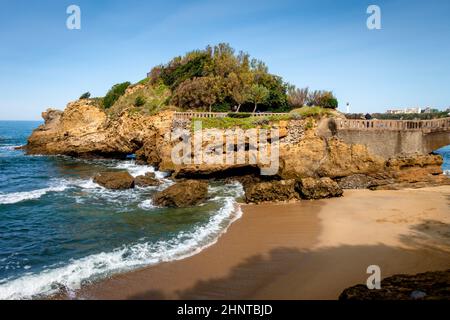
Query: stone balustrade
x=345, y=124
x=399, y=125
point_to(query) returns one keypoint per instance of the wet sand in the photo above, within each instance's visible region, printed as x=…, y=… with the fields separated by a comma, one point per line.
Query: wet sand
x=304, y=250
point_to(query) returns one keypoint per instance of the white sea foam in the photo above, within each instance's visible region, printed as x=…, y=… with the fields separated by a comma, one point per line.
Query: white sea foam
x=80, y=271
x=9, y=148
x=134, y=169
x=147, y=205
x=15, y=197
x=140, y=170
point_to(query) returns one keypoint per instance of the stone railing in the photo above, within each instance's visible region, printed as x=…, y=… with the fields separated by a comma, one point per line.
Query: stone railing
x=431, y=125
x=344, y=124
x=190, y=115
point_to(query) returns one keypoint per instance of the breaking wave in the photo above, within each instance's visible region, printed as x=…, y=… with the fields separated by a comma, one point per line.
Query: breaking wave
x=15, y=197
x=81, y=271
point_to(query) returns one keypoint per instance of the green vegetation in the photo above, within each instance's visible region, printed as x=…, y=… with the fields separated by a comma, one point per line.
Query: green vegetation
x=114, y=94
x=228, y=123
x=218, y=79
x=213, y=79
x=311, y=112
x=147, y=99
x=85, y=95
x=257, y=95
x=140, y=101
x=303, y=97
x=248, y=121
x=240, y=115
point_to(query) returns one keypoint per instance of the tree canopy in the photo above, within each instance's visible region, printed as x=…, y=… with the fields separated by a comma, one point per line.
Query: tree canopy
x=219, y=79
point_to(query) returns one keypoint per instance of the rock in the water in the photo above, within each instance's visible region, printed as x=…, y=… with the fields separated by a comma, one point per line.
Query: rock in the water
x=147, y=180
x=310, y=188
x=422, y=286
x=115, y=180
x=183, y=194
x=271, y=191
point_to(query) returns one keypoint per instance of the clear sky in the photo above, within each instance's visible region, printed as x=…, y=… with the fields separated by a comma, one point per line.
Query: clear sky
x=323, y=44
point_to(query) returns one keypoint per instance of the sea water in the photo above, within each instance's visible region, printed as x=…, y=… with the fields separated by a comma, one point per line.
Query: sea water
x=59, y=230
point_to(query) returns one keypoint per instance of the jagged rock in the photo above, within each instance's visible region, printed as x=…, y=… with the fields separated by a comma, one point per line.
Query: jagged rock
x=115, y=180
x=147, y=180
x=51, y=117
x=245, y=180
x=307, y=148
x=326, y=157
x=84, y=129
x=310, y=188
x=422, y=286
x=270, y=191
x=183, y=194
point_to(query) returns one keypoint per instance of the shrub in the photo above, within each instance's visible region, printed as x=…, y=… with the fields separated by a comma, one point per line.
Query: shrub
x=114, y=94
x=139, y=101
x=85, y=95
x=311, y=111
x=330, y=103
x=241, y=115
x=324, y=99
x=297, y=98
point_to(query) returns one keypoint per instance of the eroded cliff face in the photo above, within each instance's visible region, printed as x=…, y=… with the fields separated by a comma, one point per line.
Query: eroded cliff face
x=307, y=149
x=83, y=129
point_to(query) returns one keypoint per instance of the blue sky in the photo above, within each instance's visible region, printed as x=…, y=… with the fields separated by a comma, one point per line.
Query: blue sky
x=323, y=44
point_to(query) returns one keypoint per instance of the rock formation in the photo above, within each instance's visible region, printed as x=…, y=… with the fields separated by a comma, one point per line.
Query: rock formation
x=147, y=180
x=312, y=189
x=270, y=191
x=309, y=148
x=85, y=129
x=115, y=180
x=423, y=286
x=183, y=194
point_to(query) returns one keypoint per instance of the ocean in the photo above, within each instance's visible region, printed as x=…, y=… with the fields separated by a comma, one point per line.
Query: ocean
x=59, y=230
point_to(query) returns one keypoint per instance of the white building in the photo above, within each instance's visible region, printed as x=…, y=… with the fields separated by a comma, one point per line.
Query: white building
x=405, y=110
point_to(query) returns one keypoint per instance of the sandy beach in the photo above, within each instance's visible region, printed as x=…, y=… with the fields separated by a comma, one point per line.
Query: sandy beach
x=304, y=250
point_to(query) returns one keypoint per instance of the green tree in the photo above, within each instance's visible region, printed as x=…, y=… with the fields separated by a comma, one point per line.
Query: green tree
x=277, y=99
x=114, y=94
x=198, y=93
x=85, y=95
x=257, y=95
x=239, y=87
x=322, y=98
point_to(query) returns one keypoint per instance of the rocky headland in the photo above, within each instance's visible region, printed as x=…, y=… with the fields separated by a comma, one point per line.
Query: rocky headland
x=314, y=161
